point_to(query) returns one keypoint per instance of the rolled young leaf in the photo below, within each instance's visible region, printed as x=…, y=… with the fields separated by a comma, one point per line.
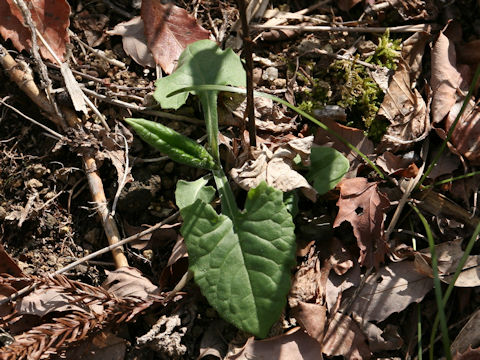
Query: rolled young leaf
x=177, y=146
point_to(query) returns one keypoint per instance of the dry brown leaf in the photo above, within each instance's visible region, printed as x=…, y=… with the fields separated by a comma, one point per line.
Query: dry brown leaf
x=43, y=301
x=129, y=282
x=470, y=354
x=381, y=340
x=392, y=163
x=134, y=41
x=445, y=79
x=363, y=206
x=169, y=29
x=449, y=80
x=403, y=106
x=344, y=338
x=469, y=336
x=51, y=18
x=292, y=346
x=449, y=254
x=306, y=284
x=446, y=165
x=354, y=136
x=406, y=111
x=276, y=168
x=390, y=290
x=8, y=266
x=312, y=318
x=466, y=135
x=337, y=284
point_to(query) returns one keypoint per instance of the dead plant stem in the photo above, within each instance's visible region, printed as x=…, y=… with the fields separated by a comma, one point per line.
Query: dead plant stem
x=247, y=54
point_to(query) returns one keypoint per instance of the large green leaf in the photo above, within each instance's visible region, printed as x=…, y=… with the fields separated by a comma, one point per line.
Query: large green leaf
x=243, y=265
x=328, y=166
x=201, y=63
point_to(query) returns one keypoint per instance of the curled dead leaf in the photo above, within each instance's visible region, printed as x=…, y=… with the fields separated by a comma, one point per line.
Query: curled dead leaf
x=276, y=168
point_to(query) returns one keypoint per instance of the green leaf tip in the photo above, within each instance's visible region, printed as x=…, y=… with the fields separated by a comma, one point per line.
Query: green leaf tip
x=242, y=265
x=177, y=146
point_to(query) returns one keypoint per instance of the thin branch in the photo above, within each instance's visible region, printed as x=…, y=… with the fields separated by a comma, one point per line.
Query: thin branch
x=57, y=135
x=306, y=28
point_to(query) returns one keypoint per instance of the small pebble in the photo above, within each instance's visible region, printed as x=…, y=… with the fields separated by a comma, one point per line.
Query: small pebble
x=270, y=73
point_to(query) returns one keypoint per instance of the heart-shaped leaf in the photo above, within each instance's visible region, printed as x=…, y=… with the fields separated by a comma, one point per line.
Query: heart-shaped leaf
x=242, y=264
x=201, y=63
x=328, y=166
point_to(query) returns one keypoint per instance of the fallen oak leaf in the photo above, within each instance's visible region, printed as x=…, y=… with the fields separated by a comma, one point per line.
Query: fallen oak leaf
x=51, y=18
x=169, y=29
x=363, y=206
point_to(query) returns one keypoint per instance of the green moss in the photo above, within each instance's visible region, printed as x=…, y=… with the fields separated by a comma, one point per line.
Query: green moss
x=315, y=98
x=358, y=93
x=387, y=52
x=349, y=84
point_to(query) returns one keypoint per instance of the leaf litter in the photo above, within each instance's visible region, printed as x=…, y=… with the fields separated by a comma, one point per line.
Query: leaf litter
x=336, y=305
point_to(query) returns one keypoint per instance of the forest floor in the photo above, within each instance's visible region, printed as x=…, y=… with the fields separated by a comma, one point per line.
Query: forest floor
x=363, y=285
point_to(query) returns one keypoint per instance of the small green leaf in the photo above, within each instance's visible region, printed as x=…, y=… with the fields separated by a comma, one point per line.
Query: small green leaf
x=328, y=167
x=188, y=192
x=202, y=62
x=177, y=146
x=242, y=265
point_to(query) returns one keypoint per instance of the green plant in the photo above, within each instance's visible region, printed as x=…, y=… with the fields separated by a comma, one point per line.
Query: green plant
x=240, y=259
x=387, y=52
